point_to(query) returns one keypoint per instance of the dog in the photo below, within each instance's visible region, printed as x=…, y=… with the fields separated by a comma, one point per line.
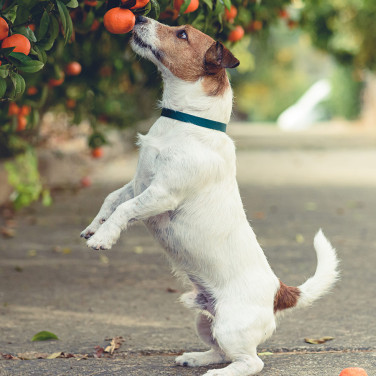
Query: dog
x=185, y=191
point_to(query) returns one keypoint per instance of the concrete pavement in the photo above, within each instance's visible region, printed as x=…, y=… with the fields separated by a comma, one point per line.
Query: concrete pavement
x=291, y=186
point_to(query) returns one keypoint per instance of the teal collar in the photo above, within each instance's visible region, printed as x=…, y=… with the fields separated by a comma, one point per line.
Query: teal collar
x=202, y=122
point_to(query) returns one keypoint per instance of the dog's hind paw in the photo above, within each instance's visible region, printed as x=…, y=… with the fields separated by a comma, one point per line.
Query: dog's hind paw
x=197, y=359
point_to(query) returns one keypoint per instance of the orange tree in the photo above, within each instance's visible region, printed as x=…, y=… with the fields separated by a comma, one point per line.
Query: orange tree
x=74, y=56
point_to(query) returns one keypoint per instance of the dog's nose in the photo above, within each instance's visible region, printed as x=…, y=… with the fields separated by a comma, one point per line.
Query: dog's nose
x=141, y=20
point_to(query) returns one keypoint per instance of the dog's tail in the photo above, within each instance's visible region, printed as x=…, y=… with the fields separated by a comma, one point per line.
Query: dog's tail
x=325, y=277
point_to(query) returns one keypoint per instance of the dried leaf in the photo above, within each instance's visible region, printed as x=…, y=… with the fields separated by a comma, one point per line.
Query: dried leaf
x=8, y=232
x=56, y=355
x=98, y=352
x=317, y=341
x=83, y=357
x=31, y=355
x=116, y=342
x=44, y=336
x=169, y=289
x=299, y=238
x=104, y=259
x=138, y=249
x=310, y=206
x=266, y=353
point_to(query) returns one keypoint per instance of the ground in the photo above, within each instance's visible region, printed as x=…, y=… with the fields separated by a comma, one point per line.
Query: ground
x=291, y=185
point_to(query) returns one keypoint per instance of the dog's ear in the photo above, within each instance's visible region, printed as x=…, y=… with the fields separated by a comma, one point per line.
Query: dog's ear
x=218, y=57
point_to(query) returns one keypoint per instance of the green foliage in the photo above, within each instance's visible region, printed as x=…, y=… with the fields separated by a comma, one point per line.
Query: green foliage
x=23, y=176
x=344, y=28
x=345, y=100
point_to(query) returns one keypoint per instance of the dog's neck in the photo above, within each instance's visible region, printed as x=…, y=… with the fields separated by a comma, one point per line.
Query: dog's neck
x=191, y=98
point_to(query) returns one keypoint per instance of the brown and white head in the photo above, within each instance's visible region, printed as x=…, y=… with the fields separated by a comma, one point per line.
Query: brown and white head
x=193, y=65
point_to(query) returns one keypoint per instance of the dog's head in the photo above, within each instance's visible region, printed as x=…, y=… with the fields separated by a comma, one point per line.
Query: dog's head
x=183, y=51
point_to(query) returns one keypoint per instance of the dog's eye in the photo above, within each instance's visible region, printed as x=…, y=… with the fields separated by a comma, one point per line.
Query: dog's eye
x=182, y=35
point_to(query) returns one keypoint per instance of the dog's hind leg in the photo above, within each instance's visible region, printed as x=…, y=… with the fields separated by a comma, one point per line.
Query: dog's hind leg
x=214, y=356
x=238, y=333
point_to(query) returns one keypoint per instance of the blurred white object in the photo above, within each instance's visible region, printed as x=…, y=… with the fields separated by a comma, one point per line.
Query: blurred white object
x=305, y=112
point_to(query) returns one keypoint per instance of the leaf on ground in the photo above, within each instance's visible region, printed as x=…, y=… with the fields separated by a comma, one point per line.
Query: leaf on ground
x=44, y=336
x=56, y=355
x=8, y=356
x=266, y=353
x=115, y=344
x=98, y=352
x=138, y=249
x=317, y=341
x=31, y=253
x=32, y=355
x=83, y=357
x=299, y=238
x=169, y=289
x=104, y=259
x=7, y=232
x=310, y=206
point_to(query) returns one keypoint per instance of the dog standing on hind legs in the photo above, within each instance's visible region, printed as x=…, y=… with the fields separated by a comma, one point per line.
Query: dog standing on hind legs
x=186, y=193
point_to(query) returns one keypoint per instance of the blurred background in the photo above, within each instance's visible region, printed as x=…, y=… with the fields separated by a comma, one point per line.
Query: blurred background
x=81, y=86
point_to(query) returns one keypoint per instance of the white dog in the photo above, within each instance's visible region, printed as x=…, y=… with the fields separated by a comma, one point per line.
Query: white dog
x=185, y=191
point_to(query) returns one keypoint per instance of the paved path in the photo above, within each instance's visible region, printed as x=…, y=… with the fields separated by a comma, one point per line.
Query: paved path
x=291, y=186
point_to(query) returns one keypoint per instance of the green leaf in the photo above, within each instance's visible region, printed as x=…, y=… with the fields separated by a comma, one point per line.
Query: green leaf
x=31, y=66
x=209, y=3
x=44, y=336
x=227, y=4
x=4, y=70
x=184, y=6
x=18, y=83
x=53, y=31
x=66, y=20
x=157, y=8
x=10, y=13
x=3, y=87
x=72, y=4
x=19, y=57
x=42, y=56
x=6, y=51
x=43, y=25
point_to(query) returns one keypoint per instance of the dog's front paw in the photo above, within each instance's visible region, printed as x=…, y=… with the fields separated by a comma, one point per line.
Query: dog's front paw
x=92, y=228
x=104, y=238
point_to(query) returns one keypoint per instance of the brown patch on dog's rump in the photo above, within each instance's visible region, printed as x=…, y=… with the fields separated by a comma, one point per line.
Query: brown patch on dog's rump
x=286, y=297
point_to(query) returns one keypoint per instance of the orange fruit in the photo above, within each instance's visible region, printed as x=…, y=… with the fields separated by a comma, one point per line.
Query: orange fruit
x=231, y=14
x=353, y=371
x=95, y=25
x=21, y=123
x=236, y=34
x=139, y=3
x=283, y=13
x=32, y=90
x=256, y=25
x=71, y=103
x=32, y=27
x=13, y=109
x=73, y=69
x=92, y=3
x=25, y=110
x=4, y=28
x=19, y=41
x=119, y=20
x=85, y=182
x=292, y=24
x=97, y=152
x=193, y=5
x=56, y=81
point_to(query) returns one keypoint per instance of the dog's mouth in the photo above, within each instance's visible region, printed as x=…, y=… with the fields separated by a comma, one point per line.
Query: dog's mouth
x=137, y=40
